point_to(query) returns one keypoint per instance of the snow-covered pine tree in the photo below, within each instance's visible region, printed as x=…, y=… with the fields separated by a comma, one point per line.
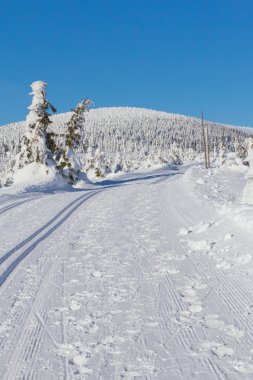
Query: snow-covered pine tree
x=248, y=190
x=68, y=162
x=36, y=143
x=99, y=164
x=117, y=165
x=89, y=159
x=240, y=150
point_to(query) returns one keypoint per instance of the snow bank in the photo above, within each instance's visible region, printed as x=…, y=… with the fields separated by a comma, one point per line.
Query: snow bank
x=228, y=191
x=37, y=177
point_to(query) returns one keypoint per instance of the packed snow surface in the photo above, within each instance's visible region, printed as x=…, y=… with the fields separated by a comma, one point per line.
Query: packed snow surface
x=143, y=276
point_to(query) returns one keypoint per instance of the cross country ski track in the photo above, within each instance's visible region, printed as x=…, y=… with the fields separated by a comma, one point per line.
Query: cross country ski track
x=19, y=252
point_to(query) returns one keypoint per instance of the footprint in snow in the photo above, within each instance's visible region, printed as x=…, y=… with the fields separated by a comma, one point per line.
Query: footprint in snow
x=228, y=237
x=200, y=245
x=244, y=259
x=232, y=331
x=171, y=256
x=75, y=357
x=201, y=227
x=75, y=305
x=195, y=307
x=96, y=274
x=218, y=349
x=212, y=321
x=172, y=270
x=184, y=231
x=244, y=365
x=190, y=296
x=223, y=265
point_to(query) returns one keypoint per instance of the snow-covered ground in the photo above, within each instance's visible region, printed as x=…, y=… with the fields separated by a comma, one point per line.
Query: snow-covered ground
x=141, y=277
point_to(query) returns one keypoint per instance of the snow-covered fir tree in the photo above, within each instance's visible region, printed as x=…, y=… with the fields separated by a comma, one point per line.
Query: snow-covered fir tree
x=68, y=162
x=99, y=164
x=117, y=165
x=36, y=145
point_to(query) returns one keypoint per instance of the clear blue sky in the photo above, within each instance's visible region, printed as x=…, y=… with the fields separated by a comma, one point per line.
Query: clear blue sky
x=179, y=56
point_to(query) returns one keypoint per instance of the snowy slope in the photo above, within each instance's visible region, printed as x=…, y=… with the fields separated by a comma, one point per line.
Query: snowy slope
x=138, y=278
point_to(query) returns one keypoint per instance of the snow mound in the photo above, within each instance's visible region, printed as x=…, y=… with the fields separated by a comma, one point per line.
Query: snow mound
x=37, y=177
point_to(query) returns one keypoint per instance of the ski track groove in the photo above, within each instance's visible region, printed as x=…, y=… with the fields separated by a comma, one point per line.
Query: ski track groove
x=4, y=275
x=210, y=362
x=41, y=229
x=26, y=336
x=226, y=288
x=183, y=337
x=15, y=205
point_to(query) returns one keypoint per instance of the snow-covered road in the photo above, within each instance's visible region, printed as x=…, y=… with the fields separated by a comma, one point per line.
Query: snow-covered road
x=145, y=278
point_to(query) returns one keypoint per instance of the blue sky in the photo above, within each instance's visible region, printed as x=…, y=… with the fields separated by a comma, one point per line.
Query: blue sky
x=179, y=56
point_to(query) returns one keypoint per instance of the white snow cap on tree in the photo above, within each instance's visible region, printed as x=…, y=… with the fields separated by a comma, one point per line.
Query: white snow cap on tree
x=36, y=108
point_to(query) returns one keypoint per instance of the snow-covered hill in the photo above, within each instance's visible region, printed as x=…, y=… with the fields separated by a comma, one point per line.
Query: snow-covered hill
x=137, y=133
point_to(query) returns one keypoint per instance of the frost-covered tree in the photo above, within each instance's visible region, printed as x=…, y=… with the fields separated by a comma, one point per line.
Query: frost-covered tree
x=99, y=164
x=248, y=191
x=117, y=165
x=173, y=156
x=36, y=143
x=68, y=162
x=89, y=159
x=241, y=150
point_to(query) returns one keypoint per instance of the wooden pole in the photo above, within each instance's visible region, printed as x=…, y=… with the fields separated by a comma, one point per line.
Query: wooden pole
x=207, y=148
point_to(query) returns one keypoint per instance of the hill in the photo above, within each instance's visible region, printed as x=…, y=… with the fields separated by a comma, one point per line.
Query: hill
x=137, y=133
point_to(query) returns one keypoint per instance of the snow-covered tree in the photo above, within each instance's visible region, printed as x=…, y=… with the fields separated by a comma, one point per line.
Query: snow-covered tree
x=89, y=159
x=68, y=162
x=222, y=150
x=248, y=190
x=36, y=143
x=173, y=155
x=99, y=164
x=117, y=165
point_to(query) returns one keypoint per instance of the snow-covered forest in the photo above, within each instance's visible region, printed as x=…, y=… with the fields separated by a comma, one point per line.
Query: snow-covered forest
x=138, y=138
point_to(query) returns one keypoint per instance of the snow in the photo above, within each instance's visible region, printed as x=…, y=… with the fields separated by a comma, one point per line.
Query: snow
x=39, y=177
x=145, y=275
